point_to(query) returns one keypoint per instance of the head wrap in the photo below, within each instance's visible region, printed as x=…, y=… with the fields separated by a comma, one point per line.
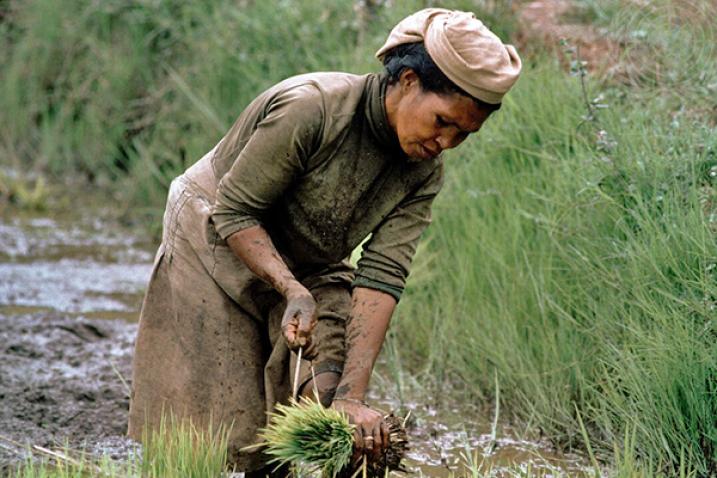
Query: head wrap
x=464, y=49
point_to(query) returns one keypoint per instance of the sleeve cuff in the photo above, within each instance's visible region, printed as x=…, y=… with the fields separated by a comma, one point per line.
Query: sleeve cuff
x=389, y=289
x=227, y=228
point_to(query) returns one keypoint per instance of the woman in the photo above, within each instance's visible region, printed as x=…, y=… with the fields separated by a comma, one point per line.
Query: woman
x=252, y=263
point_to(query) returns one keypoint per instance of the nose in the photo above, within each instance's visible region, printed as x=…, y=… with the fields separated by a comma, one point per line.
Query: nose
x=444, y=142
x=448, y=141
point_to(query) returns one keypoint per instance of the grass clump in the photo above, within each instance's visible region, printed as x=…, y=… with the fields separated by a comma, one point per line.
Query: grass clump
x=24, y=193
x=309, y=435
x=320, y=440
x=181, y=448
x=176, y=449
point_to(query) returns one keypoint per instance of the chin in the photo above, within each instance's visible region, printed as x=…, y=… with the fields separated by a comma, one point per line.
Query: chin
x=416, y=155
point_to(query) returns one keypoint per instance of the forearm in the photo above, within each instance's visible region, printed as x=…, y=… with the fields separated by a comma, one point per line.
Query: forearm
x=255, y=248
x=366, y=328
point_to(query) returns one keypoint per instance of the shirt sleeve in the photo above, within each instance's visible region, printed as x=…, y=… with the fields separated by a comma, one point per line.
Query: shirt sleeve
x=386, y=257
x=274, y=156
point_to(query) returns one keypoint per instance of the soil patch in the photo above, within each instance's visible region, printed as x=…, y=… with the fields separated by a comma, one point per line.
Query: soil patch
x=544, y=23
x=60, y=384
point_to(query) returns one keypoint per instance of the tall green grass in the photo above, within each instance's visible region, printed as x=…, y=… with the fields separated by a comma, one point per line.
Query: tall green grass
x=577, y=257
x=574, y=257
x=134, y=92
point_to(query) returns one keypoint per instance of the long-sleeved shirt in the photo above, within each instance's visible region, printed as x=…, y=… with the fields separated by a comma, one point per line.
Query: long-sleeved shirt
x=315, y=162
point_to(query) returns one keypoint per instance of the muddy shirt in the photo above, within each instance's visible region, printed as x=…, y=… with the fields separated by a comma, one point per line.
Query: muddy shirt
x=315, y=162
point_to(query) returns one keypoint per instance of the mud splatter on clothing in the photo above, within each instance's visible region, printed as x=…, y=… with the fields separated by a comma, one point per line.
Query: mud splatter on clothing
x=314, y=161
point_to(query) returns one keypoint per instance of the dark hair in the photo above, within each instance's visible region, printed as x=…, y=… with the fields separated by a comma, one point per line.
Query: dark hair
x=415, y=57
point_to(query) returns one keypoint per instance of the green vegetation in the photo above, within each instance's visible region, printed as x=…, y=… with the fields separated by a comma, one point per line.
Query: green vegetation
x=182, y=451
x=576, y=256
x=24, y=193
x=573, y=248
x=177, y=449
x=133, y=93
x=308, y=435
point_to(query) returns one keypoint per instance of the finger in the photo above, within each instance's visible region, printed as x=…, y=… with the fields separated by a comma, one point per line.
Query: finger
x=306, y=325
x=377, y=441
x=303, y=341
x=368, y=440
x=385, y=435
x=358, y=439
x=356, y=457
x=290, y=336
x=303, y=336
x=289, y=327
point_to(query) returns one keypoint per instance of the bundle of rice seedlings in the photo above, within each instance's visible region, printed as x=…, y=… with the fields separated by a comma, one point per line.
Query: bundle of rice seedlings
x=307, y=434
x=321, y=440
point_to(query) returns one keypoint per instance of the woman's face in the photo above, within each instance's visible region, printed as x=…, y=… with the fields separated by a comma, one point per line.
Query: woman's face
x=428, y=123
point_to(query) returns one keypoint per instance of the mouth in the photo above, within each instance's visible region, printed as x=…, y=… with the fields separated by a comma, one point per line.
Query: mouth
x=429, y=153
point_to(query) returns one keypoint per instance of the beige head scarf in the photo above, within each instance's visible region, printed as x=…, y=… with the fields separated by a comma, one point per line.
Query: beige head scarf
x=465, y=50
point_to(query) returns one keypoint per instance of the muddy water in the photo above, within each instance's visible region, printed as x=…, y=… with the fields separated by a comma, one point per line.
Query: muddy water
x=456, y=440
x=74, y=265
x=63, y=364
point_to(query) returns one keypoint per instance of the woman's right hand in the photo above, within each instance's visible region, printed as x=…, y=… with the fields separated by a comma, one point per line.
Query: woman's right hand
x=299, y=320
x=371, y=434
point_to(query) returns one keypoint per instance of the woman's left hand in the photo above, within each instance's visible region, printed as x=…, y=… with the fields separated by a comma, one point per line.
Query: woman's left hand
x=371, y=435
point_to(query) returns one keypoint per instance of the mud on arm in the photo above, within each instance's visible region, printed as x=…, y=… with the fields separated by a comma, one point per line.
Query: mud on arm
x=380, y=279
x=371, y=312
x=272, y=159
x=255, y=248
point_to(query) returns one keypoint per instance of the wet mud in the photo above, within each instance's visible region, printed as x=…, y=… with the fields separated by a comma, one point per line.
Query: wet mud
x=454, y=438
x=60, y=384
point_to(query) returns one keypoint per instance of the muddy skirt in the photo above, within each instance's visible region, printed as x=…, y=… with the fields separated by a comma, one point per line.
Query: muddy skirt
x=209, y=346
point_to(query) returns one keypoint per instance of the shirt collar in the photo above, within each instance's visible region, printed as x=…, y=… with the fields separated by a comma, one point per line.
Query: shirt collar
x=376, y=112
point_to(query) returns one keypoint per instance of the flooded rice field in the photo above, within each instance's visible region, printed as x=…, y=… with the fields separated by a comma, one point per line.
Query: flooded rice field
x=70, y=291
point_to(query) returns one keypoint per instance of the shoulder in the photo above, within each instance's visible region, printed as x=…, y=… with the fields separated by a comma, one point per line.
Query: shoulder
x=334, y=86
x=333, y=93
x=325, y=100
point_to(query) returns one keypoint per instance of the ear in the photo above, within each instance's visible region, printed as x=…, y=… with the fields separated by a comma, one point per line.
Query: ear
x=409, y=80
